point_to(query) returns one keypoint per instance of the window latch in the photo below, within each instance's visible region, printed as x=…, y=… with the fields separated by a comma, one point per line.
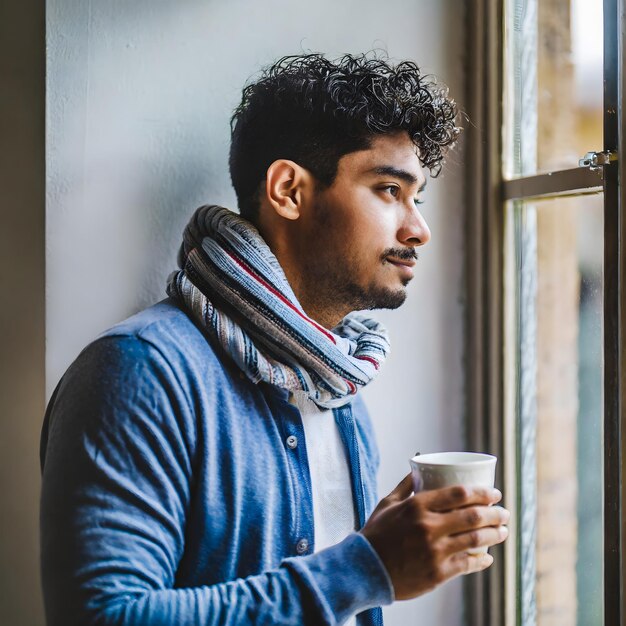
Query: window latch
x=595, y=160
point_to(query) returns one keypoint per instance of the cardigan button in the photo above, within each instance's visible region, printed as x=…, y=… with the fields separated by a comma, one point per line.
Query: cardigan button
x=302, y=546
x=292, y=442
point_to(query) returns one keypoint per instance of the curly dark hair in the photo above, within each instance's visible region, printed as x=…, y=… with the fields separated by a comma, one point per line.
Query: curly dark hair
x=314, y=111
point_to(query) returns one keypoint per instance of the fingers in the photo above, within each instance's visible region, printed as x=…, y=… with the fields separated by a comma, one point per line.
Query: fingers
x=450, y=498
x=464, y=563
x=472, y=517
x=479, y=538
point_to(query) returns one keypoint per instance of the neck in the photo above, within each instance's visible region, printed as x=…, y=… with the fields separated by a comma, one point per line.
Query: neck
x=316, y=303
x=314, y=300
x=323, y=315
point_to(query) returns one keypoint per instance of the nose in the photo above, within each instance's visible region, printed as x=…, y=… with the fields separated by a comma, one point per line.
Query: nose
x=414, y=230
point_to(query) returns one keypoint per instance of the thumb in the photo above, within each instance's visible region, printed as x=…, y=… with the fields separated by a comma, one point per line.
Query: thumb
x=403, y=490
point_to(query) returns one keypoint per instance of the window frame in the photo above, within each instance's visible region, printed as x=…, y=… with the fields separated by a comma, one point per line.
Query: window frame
x=484, y=228
x=490, y=597
x=614, y=313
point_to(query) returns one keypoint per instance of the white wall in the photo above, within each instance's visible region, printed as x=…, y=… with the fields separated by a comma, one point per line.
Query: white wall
x=139, y=98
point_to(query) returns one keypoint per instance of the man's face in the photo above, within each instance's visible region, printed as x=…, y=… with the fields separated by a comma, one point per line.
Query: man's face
x=358, y=243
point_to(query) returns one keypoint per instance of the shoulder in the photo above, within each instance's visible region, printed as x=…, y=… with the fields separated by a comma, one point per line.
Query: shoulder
x=162, y=334
x=152, y=370
x=157, y=355
x=165, y=326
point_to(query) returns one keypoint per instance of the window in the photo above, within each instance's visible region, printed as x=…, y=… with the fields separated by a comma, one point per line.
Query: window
x=546, y=312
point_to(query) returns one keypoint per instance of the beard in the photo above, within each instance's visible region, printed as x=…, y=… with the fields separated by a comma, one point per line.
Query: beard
x=331, y=270
x=334, y=287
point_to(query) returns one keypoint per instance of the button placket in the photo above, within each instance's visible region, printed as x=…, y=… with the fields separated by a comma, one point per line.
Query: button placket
x=302, y=546
x=294, y=441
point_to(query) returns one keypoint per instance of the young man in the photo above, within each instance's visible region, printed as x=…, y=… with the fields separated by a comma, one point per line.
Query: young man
x=209, y=461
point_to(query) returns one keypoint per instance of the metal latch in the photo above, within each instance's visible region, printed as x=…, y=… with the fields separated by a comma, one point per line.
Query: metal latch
x=595, y=160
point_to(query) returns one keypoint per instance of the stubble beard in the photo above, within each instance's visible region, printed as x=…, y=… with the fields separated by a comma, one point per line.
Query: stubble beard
x=329, y=277
x=335, y=290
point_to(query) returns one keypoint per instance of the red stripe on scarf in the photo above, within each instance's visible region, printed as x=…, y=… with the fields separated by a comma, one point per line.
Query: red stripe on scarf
x=372, y=360
x=279, y=295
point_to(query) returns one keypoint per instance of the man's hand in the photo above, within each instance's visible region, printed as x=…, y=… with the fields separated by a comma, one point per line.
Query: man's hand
x=423, y=539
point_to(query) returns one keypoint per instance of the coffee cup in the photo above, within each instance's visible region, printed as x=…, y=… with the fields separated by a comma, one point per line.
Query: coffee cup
x=445, y=469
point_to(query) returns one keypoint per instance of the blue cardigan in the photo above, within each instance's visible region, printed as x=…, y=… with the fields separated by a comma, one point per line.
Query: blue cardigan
x=171, y=497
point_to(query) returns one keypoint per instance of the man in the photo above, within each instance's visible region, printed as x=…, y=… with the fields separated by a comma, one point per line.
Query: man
x=209, y=461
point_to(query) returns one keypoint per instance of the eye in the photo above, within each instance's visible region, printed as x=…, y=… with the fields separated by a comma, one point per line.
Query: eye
x=418, y=201
x=393, y=190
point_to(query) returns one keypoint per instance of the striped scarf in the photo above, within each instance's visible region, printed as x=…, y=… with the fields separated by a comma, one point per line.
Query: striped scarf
x=234, y=287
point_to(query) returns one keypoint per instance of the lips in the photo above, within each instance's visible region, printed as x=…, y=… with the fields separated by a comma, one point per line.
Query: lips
x=404, y=262
x=404, y=265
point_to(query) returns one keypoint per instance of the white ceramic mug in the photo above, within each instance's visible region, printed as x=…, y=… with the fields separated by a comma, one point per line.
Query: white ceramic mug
x=445, y=469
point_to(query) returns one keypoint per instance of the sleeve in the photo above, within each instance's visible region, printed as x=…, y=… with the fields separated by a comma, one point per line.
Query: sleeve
x=117, y=455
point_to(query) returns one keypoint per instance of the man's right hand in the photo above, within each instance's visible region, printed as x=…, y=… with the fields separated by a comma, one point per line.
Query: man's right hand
x=423, y=538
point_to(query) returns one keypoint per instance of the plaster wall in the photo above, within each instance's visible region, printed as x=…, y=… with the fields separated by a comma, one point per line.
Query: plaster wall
x=138, y=101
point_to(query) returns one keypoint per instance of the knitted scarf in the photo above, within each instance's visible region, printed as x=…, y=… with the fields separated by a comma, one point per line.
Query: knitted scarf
x=234, y=287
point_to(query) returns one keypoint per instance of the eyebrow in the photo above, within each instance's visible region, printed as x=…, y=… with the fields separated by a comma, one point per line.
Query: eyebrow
x=390, y=170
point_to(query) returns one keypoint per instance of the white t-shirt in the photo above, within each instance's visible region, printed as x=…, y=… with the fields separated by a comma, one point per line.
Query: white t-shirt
x=333, y=510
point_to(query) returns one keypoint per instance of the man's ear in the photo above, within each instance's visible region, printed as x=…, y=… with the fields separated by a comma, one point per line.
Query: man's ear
x=286, y=184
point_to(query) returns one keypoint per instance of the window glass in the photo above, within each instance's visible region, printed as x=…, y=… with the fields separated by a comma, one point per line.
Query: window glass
x=553, y=84
x=557, y=265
